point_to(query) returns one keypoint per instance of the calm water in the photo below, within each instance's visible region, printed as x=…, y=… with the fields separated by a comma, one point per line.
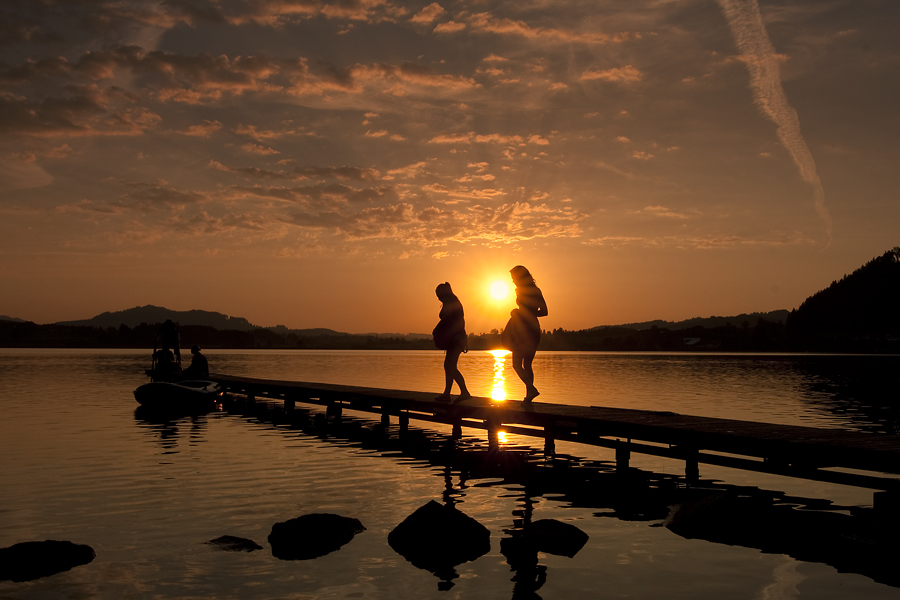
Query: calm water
x=79, y=464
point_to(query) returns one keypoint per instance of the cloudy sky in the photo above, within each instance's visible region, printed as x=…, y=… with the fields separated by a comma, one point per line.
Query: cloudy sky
x=319, y=163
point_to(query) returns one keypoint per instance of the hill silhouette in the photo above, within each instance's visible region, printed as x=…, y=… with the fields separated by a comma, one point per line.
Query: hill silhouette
x=150, y=315
x=860, y=309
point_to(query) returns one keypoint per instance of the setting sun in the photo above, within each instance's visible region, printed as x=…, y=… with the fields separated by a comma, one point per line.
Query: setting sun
x=499, y=290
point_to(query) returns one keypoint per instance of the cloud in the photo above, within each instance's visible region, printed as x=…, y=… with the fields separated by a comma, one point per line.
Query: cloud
x=487, y=23
x=489, y=138
x=662, y=211
x=303, y=173
x=328, y=195
x=205, y=129
x=626, y=74
x=80, y=110
x=449, y=27
x=705, y=242
x=408, y=172
x=428, y=14
x=763, y=63
x=153, y=198
x=409, y=73
x=268, y=134
x=257, y=149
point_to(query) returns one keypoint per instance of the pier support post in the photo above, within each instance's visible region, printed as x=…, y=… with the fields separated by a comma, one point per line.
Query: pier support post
x=457, y=430
x=385, y=418
x=404, y=424
x=886, y=506
x=691, y=465
x=623, y=455
x=290, y=401
x=549, y=442
x=334, y=411
x=493, y=429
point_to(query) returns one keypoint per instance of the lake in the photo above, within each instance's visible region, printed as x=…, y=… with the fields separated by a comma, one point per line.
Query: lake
x=80, y=464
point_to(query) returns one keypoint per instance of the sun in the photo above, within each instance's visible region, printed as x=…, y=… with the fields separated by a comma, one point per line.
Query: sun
x=499, y=290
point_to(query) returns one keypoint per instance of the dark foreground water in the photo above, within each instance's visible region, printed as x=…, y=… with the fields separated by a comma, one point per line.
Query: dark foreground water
x=78, y=463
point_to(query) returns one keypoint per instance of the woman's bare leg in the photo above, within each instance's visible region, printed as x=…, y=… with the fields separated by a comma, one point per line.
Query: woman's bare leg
x=451, y=374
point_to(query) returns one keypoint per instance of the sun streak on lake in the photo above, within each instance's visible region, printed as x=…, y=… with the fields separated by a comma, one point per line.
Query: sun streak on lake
x=498, y=391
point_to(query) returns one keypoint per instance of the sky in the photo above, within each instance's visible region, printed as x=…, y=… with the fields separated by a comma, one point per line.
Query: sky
x=316, y=163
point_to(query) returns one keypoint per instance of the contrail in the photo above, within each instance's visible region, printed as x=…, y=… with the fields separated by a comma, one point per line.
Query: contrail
x=758, y=53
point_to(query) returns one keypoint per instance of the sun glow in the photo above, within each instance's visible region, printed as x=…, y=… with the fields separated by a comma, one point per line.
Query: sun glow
x=499, y=290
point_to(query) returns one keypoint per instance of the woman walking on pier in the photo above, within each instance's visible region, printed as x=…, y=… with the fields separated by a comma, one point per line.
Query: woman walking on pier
x=523, y=332
x=450, y=335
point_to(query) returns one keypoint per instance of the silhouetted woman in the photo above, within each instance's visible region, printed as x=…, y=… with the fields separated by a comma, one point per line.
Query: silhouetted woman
x=524, y=330
x=450, y=335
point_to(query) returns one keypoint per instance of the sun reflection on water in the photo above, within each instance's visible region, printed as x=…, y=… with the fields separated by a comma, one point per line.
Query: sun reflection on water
x=498, y=391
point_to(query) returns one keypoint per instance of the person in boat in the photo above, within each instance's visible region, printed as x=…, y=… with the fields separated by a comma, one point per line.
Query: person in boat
x=167, y=337
x=165, y=364
x=523, y=332
x=450, y=336
x=199, y=367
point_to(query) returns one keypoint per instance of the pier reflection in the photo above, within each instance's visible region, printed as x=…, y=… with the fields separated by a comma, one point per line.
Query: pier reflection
x=849, y=538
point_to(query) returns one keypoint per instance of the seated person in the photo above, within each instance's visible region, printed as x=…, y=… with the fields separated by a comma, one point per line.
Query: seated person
x=165, y=362
x=199, y=368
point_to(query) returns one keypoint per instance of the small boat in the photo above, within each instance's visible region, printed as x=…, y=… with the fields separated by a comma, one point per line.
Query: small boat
x=190, y=395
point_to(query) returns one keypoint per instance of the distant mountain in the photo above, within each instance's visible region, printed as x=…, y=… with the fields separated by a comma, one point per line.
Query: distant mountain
x=13, y=319
x=150, y=314
x=775, y=316
x=861, y=306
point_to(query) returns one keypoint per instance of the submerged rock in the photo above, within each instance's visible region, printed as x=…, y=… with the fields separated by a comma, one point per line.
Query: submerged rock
x=312, y=535
x=234, y=544
x=437, y=538
x=555, y=537
x=546, y=535
x=32, y=560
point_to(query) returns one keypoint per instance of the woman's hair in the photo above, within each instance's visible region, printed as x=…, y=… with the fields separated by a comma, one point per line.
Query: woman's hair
x=521, y=276
x=443, y=291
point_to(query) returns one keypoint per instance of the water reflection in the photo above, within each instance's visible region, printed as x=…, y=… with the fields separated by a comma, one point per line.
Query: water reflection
x=861, y=390
x=498, y=390
x=169, y=428
x=849, y=538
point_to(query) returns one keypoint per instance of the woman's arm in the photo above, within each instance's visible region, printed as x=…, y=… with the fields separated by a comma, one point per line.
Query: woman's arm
x=541, y=305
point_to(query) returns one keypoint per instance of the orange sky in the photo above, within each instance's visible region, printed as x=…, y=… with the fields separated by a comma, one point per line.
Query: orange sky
x=326, y=164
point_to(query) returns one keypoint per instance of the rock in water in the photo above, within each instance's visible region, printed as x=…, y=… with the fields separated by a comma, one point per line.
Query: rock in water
x=234, y=544
x=555, y=537
x=32, y=560
x=312, y=535
x=437, y=538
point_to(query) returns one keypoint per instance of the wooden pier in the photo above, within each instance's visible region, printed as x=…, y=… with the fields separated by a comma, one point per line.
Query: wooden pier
x=830, y=455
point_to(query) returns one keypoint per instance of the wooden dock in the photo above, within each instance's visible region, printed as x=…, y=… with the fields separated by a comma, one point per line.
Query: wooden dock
x=831, y=455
